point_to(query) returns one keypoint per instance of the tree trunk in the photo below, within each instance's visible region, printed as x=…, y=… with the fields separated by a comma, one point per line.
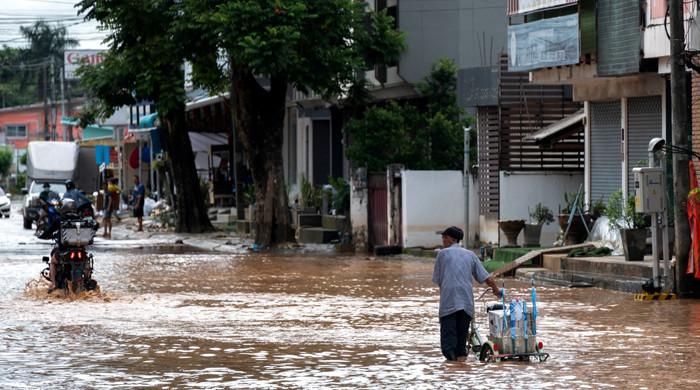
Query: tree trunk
x=260, y=121
x=190, y=208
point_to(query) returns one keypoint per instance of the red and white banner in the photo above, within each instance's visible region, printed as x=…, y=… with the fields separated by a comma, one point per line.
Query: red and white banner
x=522, y=6
x=73, y=59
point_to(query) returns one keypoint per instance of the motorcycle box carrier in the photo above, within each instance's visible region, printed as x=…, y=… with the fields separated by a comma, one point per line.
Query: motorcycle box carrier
x=77, y=233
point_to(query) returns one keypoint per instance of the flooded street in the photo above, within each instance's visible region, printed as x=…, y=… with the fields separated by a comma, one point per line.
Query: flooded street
x=203, y=320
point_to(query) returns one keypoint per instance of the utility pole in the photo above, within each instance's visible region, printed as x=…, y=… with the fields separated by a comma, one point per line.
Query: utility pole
x=63, y=107
x=45, y=94
x=53, y=101
x=679, y=122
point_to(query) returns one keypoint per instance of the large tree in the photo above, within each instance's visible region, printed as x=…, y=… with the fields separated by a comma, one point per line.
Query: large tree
x=144, y=62
x=322, y=46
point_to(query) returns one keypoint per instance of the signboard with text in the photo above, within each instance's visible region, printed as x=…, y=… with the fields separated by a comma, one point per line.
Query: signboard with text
x=73, y=59
x=544, y=43
x=522, y=6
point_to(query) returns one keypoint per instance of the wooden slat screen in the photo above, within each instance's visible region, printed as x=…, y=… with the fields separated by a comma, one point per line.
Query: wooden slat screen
x=526, y=108
x=488, y=146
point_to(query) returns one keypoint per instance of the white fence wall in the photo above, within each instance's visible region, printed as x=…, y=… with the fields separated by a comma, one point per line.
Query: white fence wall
x=522, y=190
x=431, y=201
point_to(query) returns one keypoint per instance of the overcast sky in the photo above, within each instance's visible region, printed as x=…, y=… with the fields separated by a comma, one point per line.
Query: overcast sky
x=16, y=13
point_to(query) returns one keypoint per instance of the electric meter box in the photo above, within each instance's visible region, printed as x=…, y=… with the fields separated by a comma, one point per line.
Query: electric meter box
x=649, y=190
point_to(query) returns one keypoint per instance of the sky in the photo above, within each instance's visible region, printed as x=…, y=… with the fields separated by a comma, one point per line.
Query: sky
x=16, y=13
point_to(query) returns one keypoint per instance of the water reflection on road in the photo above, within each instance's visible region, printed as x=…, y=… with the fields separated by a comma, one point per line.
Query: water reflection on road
x=276, y=321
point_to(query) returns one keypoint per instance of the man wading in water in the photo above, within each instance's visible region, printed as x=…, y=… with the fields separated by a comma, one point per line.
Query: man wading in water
x=454, y=269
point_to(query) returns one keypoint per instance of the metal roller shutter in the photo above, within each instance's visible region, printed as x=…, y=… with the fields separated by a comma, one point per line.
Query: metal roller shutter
x=644, y=123
x=606, y=156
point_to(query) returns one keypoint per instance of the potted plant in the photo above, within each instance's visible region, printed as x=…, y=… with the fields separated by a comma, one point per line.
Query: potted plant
x=629, y=223
x=577, y=231
x=540, y=215
x=511, y=228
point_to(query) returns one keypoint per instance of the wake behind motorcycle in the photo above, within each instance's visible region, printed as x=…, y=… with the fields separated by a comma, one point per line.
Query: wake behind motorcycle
x=72, y=231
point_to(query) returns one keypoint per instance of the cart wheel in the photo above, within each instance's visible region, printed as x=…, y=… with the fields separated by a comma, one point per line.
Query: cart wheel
x=486, y=353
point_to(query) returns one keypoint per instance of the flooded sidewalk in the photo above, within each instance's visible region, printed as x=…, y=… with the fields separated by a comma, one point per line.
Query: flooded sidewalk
x=247, y=320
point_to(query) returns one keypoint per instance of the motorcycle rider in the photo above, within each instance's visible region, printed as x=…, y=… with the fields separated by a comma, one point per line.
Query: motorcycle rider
x=47, y=195
x=77, y=196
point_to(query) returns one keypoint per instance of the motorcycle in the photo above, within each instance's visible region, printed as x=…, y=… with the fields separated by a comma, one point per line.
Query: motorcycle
x=48, y=217
x=72, y=233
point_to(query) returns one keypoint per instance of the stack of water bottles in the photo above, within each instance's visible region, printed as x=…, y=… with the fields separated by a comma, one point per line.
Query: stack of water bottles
x=512, y=327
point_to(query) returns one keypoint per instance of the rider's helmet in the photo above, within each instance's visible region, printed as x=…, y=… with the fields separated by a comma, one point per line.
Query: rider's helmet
x=47, y=186
x=70, y=185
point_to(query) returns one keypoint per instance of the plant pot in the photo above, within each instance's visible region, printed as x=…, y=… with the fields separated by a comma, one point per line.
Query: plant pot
x=532, y=234
x=577, y=231
x=634, y=243
x=511, y=229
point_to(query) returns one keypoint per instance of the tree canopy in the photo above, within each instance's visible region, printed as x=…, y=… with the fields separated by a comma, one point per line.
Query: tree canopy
x=427, y=134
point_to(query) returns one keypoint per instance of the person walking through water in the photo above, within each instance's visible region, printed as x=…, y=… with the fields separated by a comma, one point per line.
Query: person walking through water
x=139, y=196
x=454, y=269
x=107, y=210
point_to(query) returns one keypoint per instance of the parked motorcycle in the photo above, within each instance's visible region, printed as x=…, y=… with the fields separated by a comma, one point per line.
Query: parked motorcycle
x=72, y=233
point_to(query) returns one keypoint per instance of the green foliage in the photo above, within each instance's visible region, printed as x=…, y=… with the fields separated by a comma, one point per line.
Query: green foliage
x=598, y=208
x=20, y=183
x=313, y=45
x=401, y=133
x=249, y=195
x=386, y=135
x=542, y=214
x=23, y=159
x=5, y=161
x=310, y=195
x=340, y=200
x=621, y=212
x=570, y=200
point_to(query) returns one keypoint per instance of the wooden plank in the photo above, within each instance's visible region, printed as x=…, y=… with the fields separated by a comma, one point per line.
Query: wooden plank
x=536, y=253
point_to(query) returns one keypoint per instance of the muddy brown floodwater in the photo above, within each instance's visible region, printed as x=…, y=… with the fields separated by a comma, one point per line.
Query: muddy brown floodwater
x=203, y=320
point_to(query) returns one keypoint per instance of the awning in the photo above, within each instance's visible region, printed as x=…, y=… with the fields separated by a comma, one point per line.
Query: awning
x=94, y=135
x=202, y=141
x=68, y=121
x=93, y=132
x=566, y=126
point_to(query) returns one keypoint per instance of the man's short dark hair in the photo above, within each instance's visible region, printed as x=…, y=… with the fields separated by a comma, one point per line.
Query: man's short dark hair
x=454, y=232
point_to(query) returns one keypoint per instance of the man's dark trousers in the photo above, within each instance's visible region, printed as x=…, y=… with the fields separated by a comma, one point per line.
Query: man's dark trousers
x=454, y=329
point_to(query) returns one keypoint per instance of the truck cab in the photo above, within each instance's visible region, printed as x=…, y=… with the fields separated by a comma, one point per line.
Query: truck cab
x=31, y=204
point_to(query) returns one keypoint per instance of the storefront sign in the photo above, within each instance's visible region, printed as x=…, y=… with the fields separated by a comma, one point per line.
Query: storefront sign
x=544, y=43
x=523, y=6
x=74, y=58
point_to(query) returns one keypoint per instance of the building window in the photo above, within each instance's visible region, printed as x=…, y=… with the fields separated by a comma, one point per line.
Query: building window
x=16, y=131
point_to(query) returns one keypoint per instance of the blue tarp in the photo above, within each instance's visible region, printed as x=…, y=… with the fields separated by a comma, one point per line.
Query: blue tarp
x=102, y=154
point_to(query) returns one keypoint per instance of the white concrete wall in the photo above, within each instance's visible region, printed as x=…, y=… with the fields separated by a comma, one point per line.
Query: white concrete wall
x=431, y=201
x=522, y=190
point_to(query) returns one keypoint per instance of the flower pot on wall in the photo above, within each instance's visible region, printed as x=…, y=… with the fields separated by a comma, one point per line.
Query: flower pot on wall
x=511, y=229
x=531, y=234
x=634, y=243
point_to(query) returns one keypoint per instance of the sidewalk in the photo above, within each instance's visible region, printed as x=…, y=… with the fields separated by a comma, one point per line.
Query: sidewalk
x=216, y=241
